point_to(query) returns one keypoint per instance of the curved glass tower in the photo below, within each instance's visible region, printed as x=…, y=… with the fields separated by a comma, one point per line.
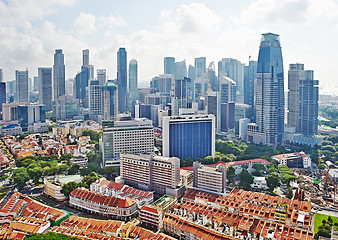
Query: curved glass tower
x=269, y=92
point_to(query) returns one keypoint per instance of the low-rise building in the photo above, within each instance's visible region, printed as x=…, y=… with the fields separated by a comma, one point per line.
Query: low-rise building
x=107, y=206
x=259, y=183
x=81, y=160
x=152, y=215
x=293, y=160
x=122, y=191
x=53, y=187
x=10, y=129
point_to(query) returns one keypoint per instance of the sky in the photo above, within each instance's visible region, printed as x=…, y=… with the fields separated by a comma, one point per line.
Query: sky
x=150, y=30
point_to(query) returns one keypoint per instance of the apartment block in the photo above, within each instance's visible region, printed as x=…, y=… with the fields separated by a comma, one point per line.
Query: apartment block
x=151, y=173
x=209, y=178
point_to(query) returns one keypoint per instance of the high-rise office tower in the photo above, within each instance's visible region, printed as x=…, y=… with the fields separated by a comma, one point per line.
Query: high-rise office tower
x=85, y=57
x=122, y=79
x=269, y=90
x=302, y=100
x=133, y=92
x=81, y=84
x=101, y=76
x=109, y=101
x=169, y=65
x=181, y=96
x=2, y=92
x=36, y=84
x=59, y=87
x=227, y=89
x=190, y=136
x=214, y=107
x=21, y=79
x=70, y=87
x=95, y=100
x=234, y=69
x=250, y=73
x=181, y=70
x=192, y=76
x=45, y=87
x=200, y=66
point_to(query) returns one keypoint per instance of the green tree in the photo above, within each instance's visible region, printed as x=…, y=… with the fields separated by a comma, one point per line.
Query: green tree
x=74, y=169
x=50, y=236
x=20, y=177
x=246, y=179
x=273, y=181
x=259, y=167
x=289, y=193
x=230, y=172
x=68, y=187
x=109, y=171
x=94, y=136
x=35, y=172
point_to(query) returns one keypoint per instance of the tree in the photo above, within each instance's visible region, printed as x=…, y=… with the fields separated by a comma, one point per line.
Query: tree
x=74, y=169
x=289, y=193
x=50, y=236
x=20, y=177
x=246, y=179
x=258, y=167
x=94, y=136
x=230, y=172
x=66, y=157
x=109, y=171
x=35, y=173
x=257, y=173
x=273, y=181
x=68, y=187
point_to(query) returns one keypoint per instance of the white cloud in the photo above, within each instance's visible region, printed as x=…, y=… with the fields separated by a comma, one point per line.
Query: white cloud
x=85, y=24
x=112, y=21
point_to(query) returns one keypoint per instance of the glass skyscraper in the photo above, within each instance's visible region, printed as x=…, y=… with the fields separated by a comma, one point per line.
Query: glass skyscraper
x=122, y=79
x=59, y=74
x=269, y=92
x=21, y=80
x=45, y=87
x=250, y=73
x=191, y=136
x=133, y=92
x=169, y=65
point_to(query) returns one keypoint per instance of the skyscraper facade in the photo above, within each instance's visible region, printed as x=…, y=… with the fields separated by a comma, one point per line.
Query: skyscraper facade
x=21, y=79
x=95, y=100
x=45, y=87
x=59, y=87
x=81, y=84
x=227, y=89
x=181, y=70
x=122, y=79
x=250, y=73
x=200, y=66
x=191, y=136
x=169, y=65
x=109, y=101
x=269, y=92
x=133, y=92
x=85, y=57
x=302, y=100
x=101, y=76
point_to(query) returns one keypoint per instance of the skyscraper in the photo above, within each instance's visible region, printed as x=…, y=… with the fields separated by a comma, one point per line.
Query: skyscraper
x=234, y=70
x=85, y=57
x=109, y=101
x=302, y=100
x=45, y=87
x=269, y=90
x=200, y=66
x=21, y=79
x=250, y=73
x=133, y=92
x=190, y=136
x=101, y=76
x=181, y=70
x=58, y=74
x=2, y=92
x=81, y=83
x=95, y=100
x=227, y=89
x=169, y=65
x=122, y=79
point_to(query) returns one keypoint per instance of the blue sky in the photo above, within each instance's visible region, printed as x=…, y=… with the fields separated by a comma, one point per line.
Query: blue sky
x=31, y=30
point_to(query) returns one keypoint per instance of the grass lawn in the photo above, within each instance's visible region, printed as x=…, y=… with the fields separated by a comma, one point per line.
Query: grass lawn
x=319, y=218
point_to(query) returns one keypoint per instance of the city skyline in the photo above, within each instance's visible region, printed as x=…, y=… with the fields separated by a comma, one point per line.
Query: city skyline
x=182, y=30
